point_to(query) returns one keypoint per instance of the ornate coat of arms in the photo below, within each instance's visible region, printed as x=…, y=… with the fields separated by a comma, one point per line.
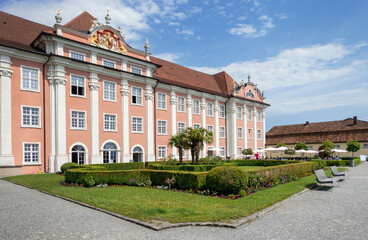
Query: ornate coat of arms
x=106, y=39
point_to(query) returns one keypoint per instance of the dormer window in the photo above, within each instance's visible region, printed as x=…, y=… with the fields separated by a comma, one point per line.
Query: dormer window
x=77, y=55
x=250, y=94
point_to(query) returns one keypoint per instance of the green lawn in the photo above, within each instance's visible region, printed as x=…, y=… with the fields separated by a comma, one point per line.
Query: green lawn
x=159, y=205
x=250, y=167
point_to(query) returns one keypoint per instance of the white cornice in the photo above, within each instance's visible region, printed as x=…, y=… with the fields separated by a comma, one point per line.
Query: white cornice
x=21, y=54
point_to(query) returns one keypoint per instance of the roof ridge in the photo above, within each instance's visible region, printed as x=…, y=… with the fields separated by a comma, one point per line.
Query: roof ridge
x=78, y=17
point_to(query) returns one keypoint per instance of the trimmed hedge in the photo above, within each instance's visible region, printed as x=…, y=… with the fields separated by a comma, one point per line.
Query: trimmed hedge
x=265, y=163
x=190, y=168
x=121, y=166
x=342, y=163
x=226, y=180
x=66, y=166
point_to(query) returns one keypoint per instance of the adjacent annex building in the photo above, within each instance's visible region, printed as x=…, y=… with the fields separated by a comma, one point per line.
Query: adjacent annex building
x=313, y=134
x=80, y=93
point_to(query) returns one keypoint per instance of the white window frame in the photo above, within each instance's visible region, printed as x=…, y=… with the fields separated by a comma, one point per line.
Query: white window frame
x=39, y=117
x=196, y=107
x=222, y=149
x=222, y=112
x=224, y=131
x=142, y=124
x=179, y=128
x=136, y=68
x=79, y=53
x=209, y=109
x=249, y=114
x=161, y=133
x=259, y=134
x=337, y=146
x=180, y=104
x=131, y=98
x=259, y=116
x=108, y=62
x=164, y=102
x=39, y=154
x=84, y=86
x=211, y=126
x=365, y=145
x=240, y=130
x=116, y=120
x=103, y=93
x=21, y=79
x=196, y=124
x=158, y=151
x=71, y=120
x=251, y=135
x=310, y=147
x=240, y=152
x=239, y=113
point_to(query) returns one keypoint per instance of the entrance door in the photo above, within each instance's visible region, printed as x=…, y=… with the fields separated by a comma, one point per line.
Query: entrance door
x=78, y=154
x=137, y=154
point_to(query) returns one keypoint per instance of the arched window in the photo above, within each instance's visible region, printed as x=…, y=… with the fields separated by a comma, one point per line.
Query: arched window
x=250, y=94
x=78, y=154
x=110, y=153
x=137, y=154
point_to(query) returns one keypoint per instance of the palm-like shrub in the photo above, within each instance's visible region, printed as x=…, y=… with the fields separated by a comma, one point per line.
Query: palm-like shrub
x=197, y=137
x=181, y=142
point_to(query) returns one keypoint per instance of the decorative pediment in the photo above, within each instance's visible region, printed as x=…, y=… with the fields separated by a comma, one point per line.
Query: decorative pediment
x=107, y=39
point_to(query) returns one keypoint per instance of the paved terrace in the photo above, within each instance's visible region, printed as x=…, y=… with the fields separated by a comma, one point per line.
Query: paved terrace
x=338, y=214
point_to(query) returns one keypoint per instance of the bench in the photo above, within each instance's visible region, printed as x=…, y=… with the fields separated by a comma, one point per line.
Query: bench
x=323, y=179
x=335, y=172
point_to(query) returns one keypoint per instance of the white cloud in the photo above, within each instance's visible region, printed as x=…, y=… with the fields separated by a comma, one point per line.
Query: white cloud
x=195, y=10
x=243, y=29
x=174, y=24
x=295, y=67
x=184, y=32
x=171, y=57
x=282, y=16
x=267, y=21
x=242, y=18
x=250, y=31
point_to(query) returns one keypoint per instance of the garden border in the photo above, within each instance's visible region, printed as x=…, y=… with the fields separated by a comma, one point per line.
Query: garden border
x=165, y=225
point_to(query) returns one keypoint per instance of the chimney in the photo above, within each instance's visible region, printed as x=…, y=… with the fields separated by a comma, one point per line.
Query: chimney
x=355, y=120
x=306, y=123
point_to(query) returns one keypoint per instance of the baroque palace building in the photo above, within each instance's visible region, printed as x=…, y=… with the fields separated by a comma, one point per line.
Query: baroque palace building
x=79, y=93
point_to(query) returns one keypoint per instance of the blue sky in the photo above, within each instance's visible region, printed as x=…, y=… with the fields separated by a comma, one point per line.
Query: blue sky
x=310, y=57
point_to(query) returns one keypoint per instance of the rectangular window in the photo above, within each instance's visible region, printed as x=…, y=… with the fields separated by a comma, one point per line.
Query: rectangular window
x=77, y=56
x=109, y=91
x=181, y=104
x=259, y=116
x=222, y=151
x=222, y=111
x=210, y=109
x=31, y=153
x=181, y=127
x=107, y=63
x=196, y=126
x=31, y=117
x=310, y=147
x=222, y=132
x=259, y=134
x=365, y=145
x=250, y=133
x=210, y=128
x=137, y=123
x=238, y=112
x=161, y=101
x=240, y=151
x=337, y=146
x=240, y=132
x=77, y=86
x=136, y=96
x=136, y=70
x=109, y=122
x=30, y=79
x=195, y=106
x=249, y=114
x=161, y=127
x=161, y=152
x=78, y=120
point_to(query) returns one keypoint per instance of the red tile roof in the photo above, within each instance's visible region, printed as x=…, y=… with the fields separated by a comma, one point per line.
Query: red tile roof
x=81, y=23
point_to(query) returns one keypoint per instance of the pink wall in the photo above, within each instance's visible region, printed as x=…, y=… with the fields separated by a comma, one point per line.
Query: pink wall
x=165, y=115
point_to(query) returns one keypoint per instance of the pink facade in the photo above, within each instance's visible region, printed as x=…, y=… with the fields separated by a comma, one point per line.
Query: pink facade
x=71, y=99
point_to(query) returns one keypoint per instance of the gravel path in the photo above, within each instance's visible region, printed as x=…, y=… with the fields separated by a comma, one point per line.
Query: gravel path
x=338, y=214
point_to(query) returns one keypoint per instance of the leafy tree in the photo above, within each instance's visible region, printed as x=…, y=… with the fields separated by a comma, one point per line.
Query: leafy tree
x=281, y=145
x=353, y=146
x=289, y=151
x=180, y=141
x=300, y=146
x=197, y=137
x=247, y=151
x=327, y=147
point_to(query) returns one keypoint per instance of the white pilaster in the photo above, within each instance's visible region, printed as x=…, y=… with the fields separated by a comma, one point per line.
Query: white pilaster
x=173, y=120
x=124, y=65
x=93, y=57
x=59, y=48
x=52, y=87
x=95, y=156
x=233, y=131
x=150, y=156
x=189, y=115
x=6, y=154
x=217, y=132
x=255, y=128
x=264, y=128
x=245, y=126
x=124, y=90
x=203, y=109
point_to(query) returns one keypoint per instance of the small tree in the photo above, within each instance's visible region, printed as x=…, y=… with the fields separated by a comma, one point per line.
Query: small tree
x=327, y=147
x=247, y=151
x=196, y=139
x=300, y=146
x=353, y=146
x=181, y=142
x=281, y=145
x=289, y=151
